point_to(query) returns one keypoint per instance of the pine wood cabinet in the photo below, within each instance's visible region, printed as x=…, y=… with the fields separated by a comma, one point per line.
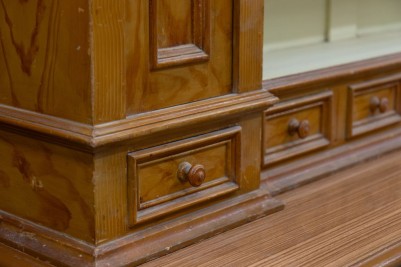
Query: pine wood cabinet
x=130, y=129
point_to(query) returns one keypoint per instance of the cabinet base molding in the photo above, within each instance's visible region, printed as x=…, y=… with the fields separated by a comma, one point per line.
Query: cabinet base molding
x=308, y=169
x=389, y=256
x=138, y=247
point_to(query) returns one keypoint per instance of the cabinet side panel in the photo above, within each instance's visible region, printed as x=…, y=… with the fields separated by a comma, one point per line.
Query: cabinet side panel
x=47, y=184
x=44, y=59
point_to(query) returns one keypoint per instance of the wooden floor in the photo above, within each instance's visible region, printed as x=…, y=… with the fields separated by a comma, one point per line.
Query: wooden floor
x=342, y=220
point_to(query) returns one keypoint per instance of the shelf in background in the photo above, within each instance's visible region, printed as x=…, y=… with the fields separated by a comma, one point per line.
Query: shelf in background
x=283, y=62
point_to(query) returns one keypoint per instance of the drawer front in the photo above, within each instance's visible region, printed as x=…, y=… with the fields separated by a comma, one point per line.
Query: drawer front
x=297, y=126
x=373, y=105
x=168, y=178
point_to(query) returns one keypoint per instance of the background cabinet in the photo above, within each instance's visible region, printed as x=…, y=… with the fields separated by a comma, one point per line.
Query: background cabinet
x=335, y=67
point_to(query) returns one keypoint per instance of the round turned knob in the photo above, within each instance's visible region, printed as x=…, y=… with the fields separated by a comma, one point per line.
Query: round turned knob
x=301, y=128
x=377, y=103
x=195, y=175
x=383, y=105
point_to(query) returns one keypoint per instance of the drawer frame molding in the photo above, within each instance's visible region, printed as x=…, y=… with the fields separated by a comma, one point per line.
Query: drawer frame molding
x=143, y=211
x=323, y=101
x=194, y=52
x=376, y=121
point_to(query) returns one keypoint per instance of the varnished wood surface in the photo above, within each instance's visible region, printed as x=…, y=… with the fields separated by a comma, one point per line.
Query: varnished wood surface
x=364, y=115
x=108, y=60
x=88, y=137
x=14, y=258
x=47, y=184
x=351, y=218
x=345, y=117
x=153, y=177
x=313, y=110
x=150, y=90
x=248, y=32
x=342, y=220
x=84, y=69
x=44, y=57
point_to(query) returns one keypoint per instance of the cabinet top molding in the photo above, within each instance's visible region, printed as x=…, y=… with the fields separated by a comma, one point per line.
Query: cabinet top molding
x=89, y=137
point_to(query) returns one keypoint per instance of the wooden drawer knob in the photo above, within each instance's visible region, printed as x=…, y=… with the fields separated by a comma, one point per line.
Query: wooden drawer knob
x=301, y=128
x=377, y=103
x=195, y=175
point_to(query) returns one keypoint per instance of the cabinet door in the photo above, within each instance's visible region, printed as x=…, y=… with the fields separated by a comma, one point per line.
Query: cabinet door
x=178, y=51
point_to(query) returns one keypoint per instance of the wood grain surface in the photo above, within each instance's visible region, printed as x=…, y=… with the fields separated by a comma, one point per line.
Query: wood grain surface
x=14, y=258
x=158, y=179
x=277, y=127
x=313, y=109
x=340, y=221
x=149, y=90
x=44, y=57
x=248, y=26
x=47, y=184
x=363, y=116
x=108, y=60
x=153, y=180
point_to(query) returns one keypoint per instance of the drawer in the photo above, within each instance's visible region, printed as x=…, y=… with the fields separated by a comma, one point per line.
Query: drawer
x=168, y=178
x=297, y=126
x=373, y=105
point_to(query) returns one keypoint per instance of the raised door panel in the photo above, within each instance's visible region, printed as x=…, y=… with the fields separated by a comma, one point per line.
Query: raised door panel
x=179, y=32
x=177, y=52
x=44, y=59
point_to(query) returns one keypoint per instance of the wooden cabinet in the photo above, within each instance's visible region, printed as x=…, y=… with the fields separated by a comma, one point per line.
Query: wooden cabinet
x=130, y=129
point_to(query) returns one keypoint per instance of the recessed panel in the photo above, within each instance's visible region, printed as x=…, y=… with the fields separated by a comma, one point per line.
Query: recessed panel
x=180, y=32
x=178, y=52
